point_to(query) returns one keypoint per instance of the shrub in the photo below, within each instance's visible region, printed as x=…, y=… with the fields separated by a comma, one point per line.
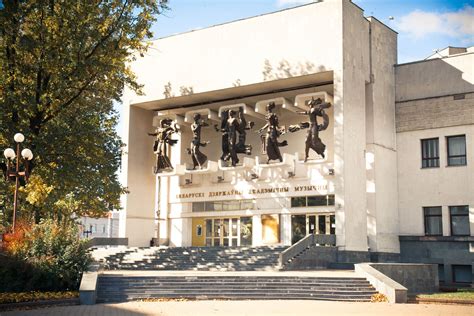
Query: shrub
x=48, y=256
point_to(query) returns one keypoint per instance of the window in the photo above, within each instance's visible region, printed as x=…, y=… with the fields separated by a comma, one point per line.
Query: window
x=317, y=200
x=198, y=207
x=456, y=150
x=298, y=201
x=430, y=153
x=222, y=206
x=459, y=217
x=433, y=221
x=314, y=200
x=462, y=273
x=441, y=273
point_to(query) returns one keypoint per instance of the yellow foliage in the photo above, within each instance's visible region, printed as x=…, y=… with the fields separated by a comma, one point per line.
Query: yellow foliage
x=379, y=298
x=37, y=190
x=10, y=297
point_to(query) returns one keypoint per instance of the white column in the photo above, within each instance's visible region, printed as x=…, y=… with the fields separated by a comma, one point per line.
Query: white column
x=285, y=229
x=257, y=230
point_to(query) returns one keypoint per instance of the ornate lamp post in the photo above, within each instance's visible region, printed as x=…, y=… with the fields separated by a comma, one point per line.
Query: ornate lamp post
x=15, y=173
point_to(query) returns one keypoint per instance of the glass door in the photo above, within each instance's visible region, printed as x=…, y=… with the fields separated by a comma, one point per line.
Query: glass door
x=298, y=227
x=245, y=231
x=222, y=232
x=322, y=224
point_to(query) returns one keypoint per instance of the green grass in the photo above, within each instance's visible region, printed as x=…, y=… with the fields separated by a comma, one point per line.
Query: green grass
x=461, y=294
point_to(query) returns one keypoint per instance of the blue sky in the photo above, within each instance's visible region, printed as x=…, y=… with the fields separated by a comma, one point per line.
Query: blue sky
x=422, y=25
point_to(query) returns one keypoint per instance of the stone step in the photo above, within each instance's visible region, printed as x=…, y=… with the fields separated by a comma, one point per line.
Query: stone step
x=200, y=296
x=116, y=288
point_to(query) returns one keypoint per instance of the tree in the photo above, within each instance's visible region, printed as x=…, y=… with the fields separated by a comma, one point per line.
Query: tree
x=62, y=65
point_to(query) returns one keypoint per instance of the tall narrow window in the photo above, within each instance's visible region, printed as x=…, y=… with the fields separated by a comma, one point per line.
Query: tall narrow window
x=456, y=150
x=430, y=153
x=459, y=220
x=433, y=221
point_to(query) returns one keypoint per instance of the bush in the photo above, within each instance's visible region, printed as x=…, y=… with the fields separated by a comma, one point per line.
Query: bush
x=48, y=256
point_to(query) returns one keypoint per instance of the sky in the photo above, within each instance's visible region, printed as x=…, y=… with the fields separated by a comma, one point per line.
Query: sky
x=423, y=25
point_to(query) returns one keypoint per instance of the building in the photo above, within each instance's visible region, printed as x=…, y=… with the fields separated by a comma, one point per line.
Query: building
x=384, y=180
x=435, y=141
x=107, y=227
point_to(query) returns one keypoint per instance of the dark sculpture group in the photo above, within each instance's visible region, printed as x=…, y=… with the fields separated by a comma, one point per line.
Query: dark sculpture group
x=233, y=128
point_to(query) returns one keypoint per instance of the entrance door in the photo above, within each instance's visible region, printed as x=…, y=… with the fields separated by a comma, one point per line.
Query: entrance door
x=222, y=232
x=298, y=228
x=302, y=225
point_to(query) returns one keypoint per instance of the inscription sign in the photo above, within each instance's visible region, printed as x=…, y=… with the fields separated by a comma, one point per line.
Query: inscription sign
x=251, y=191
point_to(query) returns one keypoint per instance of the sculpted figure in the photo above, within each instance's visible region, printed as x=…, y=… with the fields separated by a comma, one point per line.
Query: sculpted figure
x=273, y=131
x=243, y=148
x=312, y=137
x=233, y=127
x=198, y=157
x=163, y=135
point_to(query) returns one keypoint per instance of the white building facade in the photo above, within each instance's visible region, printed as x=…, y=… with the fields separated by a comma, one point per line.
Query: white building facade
x=369, y=189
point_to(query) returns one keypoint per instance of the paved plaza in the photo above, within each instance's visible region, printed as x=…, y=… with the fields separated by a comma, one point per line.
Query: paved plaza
x=241, y=308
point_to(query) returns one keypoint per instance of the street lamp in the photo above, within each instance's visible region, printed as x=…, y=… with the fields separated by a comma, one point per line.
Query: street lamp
x=16, y=173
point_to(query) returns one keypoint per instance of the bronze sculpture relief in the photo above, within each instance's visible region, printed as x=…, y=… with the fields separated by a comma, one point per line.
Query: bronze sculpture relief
x=233, y=128
x=163, y=135
x=198, y=157
x=313, y=141
x=270, y=143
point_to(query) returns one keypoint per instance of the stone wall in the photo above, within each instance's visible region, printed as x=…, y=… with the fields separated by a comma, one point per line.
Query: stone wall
x=445, y=250
x=417, y=278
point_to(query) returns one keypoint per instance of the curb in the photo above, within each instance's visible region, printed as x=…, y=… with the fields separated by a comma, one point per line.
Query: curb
x=42, y=303
x=439, y=301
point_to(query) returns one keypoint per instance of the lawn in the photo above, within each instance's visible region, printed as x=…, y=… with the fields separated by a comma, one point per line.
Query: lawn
x=461, y=294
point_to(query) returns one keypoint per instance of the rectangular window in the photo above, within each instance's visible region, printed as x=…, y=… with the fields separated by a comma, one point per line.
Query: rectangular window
x=331, y=199
x=198, y=206
x=298, y=201
x=456, y=150
x=317, y=200
x=462, y=273
x=314, y=200
x=430, y=153
x=459, y=216
x=433, y=221
x=231, y=205
x=441, y=273
x=246, y=205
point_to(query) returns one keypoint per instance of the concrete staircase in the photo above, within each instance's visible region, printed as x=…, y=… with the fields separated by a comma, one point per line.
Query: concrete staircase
x=190, y=258
x=120, y=288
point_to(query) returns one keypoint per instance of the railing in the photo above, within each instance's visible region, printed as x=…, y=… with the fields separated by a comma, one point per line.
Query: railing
x=307, y=242
x=296, y=249
x=325, y=240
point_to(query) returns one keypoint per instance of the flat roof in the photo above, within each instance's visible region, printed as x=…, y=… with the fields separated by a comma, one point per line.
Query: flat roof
x=240, y=92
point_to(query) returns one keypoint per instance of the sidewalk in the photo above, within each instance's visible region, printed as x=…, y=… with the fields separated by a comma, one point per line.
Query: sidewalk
x=241, y=308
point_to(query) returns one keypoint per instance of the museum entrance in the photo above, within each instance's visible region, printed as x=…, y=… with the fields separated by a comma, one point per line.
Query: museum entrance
x=232, y=231
x=304, y=224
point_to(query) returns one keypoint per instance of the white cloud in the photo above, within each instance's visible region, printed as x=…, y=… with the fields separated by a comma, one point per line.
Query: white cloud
x=282, y=3
x=459, y=24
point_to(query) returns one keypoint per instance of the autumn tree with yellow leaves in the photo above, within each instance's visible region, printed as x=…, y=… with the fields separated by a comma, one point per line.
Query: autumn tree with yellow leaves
x=62, y=66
